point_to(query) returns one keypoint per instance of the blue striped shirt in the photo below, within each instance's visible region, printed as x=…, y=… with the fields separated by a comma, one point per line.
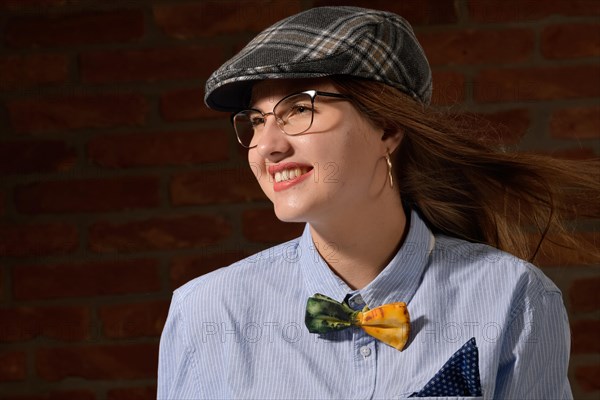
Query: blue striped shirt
x=239, y=332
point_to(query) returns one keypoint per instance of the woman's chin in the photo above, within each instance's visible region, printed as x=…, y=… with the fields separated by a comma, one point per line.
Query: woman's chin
x=289, y=214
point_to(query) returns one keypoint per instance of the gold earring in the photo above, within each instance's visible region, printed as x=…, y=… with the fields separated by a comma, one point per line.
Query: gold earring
x=389, y=164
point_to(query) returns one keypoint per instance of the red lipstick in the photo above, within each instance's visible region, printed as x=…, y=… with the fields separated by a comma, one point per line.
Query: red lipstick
x=286, y=175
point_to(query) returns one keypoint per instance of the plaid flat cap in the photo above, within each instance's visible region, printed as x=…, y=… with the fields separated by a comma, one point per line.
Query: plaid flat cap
x=325, y=41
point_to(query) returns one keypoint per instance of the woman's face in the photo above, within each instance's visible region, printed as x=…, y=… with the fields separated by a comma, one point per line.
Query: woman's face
x=334, y=170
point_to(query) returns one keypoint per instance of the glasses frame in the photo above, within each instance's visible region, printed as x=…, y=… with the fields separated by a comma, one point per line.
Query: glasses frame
x=280, y=124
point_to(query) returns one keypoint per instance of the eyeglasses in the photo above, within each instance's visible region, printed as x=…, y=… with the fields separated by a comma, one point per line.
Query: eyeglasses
x=294, y=115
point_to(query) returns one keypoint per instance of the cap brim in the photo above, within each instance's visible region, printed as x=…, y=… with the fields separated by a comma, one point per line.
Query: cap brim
x=234, y=96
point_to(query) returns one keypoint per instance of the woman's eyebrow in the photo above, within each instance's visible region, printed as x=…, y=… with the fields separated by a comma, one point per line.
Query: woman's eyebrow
x=253, y=100
x=272, y=99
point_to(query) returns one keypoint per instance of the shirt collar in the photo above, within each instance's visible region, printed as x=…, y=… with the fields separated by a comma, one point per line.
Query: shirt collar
x=398, y=281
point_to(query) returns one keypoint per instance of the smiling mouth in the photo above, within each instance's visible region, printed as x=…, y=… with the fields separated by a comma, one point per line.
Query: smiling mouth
x=290, y=174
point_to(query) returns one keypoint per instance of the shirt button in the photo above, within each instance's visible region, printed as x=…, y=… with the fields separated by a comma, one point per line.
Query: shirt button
x=365, y=351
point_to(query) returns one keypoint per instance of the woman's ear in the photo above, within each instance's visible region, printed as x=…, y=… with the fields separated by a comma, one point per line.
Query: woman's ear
x=392, y=138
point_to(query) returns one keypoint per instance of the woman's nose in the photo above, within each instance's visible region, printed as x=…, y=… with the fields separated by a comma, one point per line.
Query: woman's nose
x=272, y=143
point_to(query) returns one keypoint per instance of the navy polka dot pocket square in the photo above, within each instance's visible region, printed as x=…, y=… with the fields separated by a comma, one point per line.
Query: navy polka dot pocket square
x=458, y=377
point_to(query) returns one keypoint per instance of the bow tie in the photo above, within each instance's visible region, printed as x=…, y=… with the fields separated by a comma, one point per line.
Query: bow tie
x=388, y=323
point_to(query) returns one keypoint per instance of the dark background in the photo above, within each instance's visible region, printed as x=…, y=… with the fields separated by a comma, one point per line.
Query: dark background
x=118, y=185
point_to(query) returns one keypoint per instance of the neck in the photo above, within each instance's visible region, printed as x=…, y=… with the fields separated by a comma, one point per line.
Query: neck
x=357, y=249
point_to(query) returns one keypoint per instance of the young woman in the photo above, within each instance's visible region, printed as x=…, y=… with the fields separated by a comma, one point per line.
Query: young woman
x=407, y=217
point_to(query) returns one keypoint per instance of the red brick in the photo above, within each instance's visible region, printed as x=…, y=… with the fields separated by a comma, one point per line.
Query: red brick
x=507, y=127
x=261, y=225
x=71, y=395
x=576, y=123
x=134, y=320
x=150, y=65
x=13, y=366
x=571, y=41
x=26, y=396
x=138, y=393
x=417, y=12
x=18, y=72
x=113, y=26
x=133, y=361
x=212, y=18
x=174, y=232
x=62, y=323
x=165, y=148
x=30, y=4
x=37, y=239
x=519, y=10
x=100, y=278
x=186, y=268
x=477, y=46
x=55, y=395
x=215, y=187
x=186, y=104
x=585, y=336
x=36, y=156
x=88, y=195
x=449, y=87
x=587, y=377
x=51, y=114
x=520, y=84
x=585, y=295
x=553, y=254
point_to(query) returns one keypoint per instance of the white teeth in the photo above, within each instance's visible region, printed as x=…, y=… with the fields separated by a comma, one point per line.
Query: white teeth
x=289, y=174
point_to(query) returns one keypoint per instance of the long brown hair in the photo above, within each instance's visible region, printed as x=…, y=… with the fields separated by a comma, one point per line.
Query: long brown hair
x=466, y=186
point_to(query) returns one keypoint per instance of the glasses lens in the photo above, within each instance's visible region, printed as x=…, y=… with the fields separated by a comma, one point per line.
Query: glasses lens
x=295, y=113
x=244, y=123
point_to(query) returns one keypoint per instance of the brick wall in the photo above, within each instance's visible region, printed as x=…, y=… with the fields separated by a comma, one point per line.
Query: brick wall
x=118, y=185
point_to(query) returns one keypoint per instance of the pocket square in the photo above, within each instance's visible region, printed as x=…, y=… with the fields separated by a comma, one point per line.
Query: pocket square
x=458, y=377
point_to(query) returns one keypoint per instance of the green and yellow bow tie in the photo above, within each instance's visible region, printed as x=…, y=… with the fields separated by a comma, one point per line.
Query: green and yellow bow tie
x=389, y=323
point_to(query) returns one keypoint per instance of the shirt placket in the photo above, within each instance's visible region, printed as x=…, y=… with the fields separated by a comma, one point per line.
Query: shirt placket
x=365, y=356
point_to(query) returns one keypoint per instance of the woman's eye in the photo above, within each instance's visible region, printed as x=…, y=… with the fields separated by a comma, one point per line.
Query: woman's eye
x=257, y=121
x=299, y=109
